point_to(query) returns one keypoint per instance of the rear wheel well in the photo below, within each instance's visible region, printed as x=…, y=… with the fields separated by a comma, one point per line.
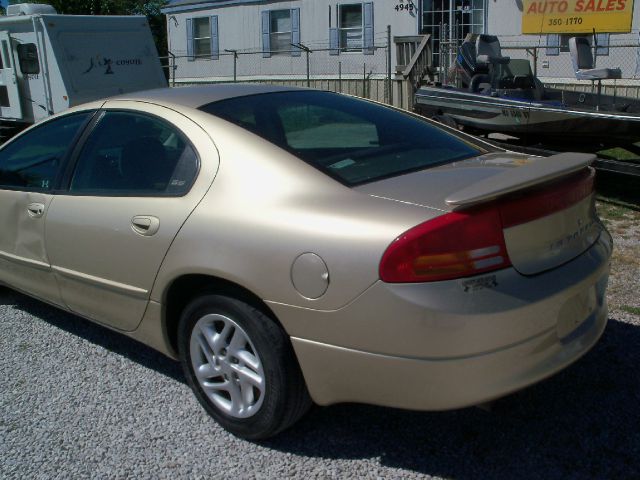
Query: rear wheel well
x=186, y=288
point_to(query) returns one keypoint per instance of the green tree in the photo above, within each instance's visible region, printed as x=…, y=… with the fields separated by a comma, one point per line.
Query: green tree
x=149, y=8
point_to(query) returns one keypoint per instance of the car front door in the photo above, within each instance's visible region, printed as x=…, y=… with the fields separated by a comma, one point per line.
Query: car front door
x=135, y=181
x=30, y=166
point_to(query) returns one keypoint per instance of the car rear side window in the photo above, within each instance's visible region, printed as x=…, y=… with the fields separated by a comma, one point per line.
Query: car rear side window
x=32, y=161
x=132, y=154
x=351, y=140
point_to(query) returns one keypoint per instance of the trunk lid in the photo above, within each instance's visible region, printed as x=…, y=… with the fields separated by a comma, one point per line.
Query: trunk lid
x=546, y=204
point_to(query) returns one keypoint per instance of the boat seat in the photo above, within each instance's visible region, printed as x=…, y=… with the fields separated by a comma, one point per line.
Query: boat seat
x=583, y=66
x=488, y=51
x=480, y=83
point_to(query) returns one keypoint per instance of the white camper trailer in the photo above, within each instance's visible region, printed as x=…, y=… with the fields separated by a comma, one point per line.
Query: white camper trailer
x=51, y=62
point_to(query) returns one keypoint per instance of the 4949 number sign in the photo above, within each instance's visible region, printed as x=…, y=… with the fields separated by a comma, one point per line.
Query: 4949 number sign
x=401, y=7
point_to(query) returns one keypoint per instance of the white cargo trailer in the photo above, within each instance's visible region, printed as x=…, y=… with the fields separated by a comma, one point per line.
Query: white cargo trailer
x=50, y=62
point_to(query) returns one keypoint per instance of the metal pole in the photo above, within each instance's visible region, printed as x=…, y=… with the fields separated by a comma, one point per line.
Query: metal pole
x=389, y=85
x=340, y=77
x=172, y=66
x=595, y=48
x=235, y=63
x=308, y=51
x=364, y=80
x=452, y=27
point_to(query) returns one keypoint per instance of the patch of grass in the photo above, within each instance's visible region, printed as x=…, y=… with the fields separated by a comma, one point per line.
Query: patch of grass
x=631, y=310
x=610, y=211
x=618, y=154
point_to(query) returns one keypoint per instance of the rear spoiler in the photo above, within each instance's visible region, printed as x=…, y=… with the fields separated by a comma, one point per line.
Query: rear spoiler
x=540, y=170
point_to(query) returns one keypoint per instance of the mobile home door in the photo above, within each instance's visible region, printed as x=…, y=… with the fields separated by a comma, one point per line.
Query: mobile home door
x=10, y=107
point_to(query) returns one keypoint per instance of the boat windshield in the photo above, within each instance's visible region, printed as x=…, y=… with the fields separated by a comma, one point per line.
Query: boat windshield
x=351, y=140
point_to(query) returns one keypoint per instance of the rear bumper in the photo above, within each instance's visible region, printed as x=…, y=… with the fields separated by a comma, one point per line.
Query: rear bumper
x=452, y=344
x=336, y=374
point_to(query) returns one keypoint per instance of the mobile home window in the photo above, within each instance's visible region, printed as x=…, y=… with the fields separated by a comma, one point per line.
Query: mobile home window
x=350, y=25
x=280, y=30
x=201, y=37
x=28, y=58
x=280, y=22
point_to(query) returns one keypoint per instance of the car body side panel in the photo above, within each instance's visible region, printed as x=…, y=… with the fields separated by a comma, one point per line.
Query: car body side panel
x=104, y=268
x=23, y=260
x=287, y=208
x=152, y=332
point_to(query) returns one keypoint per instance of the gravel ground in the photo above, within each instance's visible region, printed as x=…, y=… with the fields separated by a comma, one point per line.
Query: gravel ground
x=77, y=400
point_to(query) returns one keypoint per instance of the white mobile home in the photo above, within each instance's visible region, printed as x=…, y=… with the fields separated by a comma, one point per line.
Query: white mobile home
x=349, y=34
x=345, y=37
x=50, y=62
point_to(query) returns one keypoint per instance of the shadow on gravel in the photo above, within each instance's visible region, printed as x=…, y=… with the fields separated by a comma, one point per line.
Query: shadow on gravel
x=582, y=423
x=95, y=334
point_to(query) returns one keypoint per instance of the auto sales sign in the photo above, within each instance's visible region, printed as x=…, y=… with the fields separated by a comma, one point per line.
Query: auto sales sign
x=576, y=16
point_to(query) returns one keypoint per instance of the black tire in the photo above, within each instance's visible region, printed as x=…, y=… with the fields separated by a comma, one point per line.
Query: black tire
x=286, y=397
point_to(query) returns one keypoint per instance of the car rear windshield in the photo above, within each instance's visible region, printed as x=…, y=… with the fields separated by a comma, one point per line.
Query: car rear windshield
x=351, y=140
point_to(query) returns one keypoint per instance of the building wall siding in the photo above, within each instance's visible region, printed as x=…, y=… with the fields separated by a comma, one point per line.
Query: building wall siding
x=240, y=28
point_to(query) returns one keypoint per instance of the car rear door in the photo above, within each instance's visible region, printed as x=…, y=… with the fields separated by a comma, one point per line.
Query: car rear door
x=136, y=179
x=30, y=166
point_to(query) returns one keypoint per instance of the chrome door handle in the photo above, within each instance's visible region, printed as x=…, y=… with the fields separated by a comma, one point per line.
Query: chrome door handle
x=145, y=225
x=35, y=210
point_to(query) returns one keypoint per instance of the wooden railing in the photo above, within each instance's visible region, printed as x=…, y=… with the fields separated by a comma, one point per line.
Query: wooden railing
x=414, y=58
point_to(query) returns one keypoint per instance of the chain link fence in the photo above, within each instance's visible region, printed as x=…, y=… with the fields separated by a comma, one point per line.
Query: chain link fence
x=364, y=75
x=554, y=66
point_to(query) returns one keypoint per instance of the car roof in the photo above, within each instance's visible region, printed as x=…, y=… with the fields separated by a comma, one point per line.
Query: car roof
x=196, y=96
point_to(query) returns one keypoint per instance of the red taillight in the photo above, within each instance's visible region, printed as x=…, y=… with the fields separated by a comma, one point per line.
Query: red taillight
x=457, y=244
x=534, y=204
x=466, y=243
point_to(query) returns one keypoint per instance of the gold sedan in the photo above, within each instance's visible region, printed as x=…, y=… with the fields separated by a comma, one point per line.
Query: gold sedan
x=292, y=245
